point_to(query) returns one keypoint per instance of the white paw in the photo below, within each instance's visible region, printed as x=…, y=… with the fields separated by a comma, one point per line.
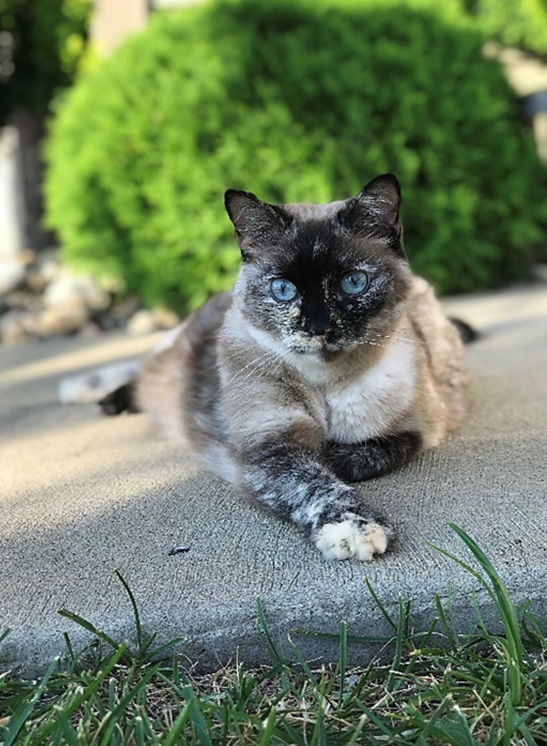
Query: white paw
x=351, y=538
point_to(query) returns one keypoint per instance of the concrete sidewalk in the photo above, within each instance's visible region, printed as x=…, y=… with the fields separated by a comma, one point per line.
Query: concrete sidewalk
x=82, y=495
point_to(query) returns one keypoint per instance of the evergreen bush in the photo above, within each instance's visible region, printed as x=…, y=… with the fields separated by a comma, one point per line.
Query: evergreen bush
x=514, y=23
x=295, y=101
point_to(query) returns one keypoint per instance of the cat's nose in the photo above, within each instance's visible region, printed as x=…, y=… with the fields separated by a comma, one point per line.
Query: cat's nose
x=318, y=327
x=318, y=318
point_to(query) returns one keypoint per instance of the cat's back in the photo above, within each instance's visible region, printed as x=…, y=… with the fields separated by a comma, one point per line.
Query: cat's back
x=443, y=365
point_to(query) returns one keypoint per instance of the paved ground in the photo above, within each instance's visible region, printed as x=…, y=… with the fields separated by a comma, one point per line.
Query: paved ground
x=82, y=495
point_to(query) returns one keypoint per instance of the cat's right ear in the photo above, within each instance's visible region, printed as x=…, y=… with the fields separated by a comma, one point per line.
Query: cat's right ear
x=258, y=224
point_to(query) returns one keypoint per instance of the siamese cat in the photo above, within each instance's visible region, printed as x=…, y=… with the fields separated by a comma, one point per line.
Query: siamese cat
x=328, y=364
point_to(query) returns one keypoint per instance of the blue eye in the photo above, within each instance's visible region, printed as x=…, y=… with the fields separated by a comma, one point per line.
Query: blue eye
x=354, y=283
x=283, y=290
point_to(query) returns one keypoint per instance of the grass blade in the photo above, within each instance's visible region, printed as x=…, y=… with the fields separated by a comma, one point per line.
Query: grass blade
x=379, y=604
x=275, y=654
x=499, y=595
x=90, y=627
x=268, y=728
x=172, y=737
x=395, y=666
x=196, y=716
x=343, y=658
x=129, y=592
x=19, y=719
x=44, y=732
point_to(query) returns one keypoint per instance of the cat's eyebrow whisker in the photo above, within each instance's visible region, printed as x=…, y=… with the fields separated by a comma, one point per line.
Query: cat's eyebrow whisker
x=388, y=336
x=377, y=343
x=378, y=338
x=371, y=344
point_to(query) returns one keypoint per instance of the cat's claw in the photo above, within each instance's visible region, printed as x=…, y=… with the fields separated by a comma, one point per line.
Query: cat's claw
x=352, y=538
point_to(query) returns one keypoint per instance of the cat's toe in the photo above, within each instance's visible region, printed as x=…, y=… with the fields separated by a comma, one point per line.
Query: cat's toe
x=350, y=538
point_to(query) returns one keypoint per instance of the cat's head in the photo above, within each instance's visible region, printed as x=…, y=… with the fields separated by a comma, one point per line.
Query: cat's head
x=322, y=278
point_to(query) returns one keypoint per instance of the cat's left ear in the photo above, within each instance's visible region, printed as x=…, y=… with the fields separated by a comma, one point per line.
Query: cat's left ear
x=377, y=206
x=382, y=197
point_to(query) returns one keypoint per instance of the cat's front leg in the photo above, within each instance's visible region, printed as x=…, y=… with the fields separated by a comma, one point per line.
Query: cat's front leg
x=357, y=462
x=292, y=483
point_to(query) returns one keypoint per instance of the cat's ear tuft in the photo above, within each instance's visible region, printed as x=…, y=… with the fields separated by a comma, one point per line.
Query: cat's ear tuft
x=256, y=222
x=382, y=197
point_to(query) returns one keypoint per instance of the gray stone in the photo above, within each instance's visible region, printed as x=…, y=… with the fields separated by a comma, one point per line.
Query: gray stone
x=18, y=326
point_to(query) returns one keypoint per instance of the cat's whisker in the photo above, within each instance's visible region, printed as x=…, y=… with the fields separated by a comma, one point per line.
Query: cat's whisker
x=255, y=362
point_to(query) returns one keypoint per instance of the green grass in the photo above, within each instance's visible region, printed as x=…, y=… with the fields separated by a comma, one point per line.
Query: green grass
x=440, y=687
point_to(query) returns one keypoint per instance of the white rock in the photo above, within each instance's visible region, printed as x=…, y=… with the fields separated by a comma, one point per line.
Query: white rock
x=62, y=319
x=141, y=323
x=71, y=289
x=12, y=274
x=164, y=318
x=145, y=322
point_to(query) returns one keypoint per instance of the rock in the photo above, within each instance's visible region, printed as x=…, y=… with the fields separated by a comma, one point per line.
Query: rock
x=23, y=300
x=90, y=330
x=164, y=318
x=63, y=319
x=13, y=270
x=119, y=314
x=539, y=272
x=12, y=274
x=70, y=290
x=145, y=321
x=141, y=323
x=44, y=271
x=18, y=326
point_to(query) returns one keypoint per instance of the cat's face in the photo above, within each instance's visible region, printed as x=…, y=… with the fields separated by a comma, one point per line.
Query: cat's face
x=322, y=278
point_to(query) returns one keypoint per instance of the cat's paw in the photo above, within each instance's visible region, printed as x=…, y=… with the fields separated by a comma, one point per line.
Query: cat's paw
x=352, y=538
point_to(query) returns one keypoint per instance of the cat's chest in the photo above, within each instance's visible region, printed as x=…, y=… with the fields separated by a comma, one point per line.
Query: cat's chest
x=371, y=404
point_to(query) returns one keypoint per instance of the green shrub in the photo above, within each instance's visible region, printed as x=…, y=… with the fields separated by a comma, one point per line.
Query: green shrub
x=294, y=101
x=514, y=23
x=41, y=44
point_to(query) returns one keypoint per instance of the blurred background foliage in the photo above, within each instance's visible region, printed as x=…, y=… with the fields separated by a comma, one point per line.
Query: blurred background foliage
x=42, y=43
x=518, y=23
x=297, y=101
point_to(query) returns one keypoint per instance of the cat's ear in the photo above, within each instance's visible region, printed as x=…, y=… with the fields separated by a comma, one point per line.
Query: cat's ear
x=257, y=223
x=382, y=196
x=376, y=206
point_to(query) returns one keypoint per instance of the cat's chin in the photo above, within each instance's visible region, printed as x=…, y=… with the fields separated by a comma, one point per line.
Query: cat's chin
x=321, y=350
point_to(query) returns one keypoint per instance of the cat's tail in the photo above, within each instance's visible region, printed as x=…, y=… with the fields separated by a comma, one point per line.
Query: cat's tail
x=467, y=332
x=111, y=387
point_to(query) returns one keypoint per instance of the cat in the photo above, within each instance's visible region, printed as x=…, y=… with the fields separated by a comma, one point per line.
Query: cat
x=330, y=363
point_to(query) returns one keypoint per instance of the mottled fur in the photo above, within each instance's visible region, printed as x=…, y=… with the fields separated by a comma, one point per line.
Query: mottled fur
x=291, y=401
